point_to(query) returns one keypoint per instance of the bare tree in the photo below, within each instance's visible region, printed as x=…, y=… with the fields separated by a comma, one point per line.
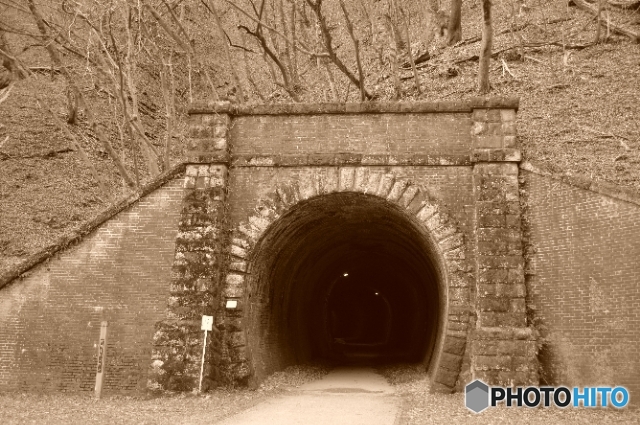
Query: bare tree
x=485, y=48
x=454, y=29
x=316, y=7
x=55, y=58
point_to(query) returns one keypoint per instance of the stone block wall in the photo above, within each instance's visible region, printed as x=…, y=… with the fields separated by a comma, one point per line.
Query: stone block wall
x=200, y=255
x=503, y=350
x=195, y=286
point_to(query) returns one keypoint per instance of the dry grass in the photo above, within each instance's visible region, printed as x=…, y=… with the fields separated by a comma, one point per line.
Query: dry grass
x=419, y=406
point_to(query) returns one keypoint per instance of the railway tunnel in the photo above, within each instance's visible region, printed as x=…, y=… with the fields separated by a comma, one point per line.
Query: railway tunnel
x=347, y=278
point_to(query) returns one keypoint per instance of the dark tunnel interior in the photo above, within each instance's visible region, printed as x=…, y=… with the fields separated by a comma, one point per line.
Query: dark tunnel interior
x=346, y=278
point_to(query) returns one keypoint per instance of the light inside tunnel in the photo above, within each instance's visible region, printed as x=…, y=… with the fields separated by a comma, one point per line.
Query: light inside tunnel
x=345, y=277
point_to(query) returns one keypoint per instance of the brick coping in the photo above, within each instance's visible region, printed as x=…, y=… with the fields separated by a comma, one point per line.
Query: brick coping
x=403, y=107
x=89, y=226
x=611, y=190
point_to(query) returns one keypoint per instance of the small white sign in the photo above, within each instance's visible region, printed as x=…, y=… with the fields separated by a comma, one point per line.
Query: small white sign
x=231, y=304
x=207, y=323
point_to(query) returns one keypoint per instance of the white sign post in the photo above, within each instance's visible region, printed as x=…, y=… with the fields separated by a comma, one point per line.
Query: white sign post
x=207, y=325
x=102, y=358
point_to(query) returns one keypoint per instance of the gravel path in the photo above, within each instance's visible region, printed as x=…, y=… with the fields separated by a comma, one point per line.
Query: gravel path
x=349, y=396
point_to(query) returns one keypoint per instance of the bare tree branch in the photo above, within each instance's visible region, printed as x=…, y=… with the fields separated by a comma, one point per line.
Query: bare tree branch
x=55, y=58
x=260, y=22
x=227, y=53
x=328, y=44
x=356, y=46
x=77, y=147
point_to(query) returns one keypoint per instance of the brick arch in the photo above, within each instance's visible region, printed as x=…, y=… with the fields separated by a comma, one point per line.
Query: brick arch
x=420, y=206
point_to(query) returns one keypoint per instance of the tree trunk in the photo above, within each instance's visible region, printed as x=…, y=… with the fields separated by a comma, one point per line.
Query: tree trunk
x=72, y=106
x=9, y=61
x=454, y=29
x=485, y=48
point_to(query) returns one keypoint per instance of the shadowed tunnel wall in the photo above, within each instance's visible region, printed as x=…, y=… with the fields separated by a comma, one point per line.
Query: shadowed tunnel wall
x=322, y=275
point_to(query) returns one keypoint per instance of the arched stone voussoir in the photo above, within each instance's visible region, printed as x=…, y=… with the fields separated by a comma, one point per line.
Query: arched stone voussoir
x=308, y=188
x=452, y=242
x=438, y=220
x=346, y=178
x=288, y=194
x=252, y=233
x=424, y=209
x=408, y=195
x=328, y=181
x=238, y=251
x=371, y=187
x=360, y=179
x=386, y=183
x=428, y=210
x=397, y=190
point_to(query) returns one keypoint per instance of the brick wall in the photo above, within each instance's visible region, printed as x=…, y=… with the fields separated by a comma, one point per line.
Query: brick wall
x=584, y=283
x=50, y=319
x=390, y=134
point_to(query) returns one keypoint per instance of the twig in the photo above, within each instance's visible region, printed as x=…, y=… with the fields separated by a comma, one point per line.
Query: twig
x=270, y=28
x=286, y=84
x=4, y=93
x=186, y=46
x=505, y=67
x=234, y=73
x=529, y=45
x=248, y=72
x=413, y=63
x=533, y=59
x=393, y=55
x=621, y=139
x=511, y=29
x=622, y=4
x=328, y=44
x=356, y=46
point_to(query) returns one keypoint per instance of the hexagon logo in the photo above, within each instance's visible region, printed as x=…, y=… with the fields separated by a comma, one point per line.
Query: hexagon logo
x=476, y=396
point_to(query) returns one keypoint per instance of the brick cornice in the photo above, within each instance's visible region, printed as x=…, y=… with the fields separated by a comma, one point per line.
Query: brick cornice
x=404, y=107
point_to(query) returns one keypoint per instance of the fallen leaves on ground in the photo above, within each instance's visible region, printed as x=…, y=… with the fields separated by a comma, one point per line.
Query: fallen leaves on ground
x=168, y=409
x=420, y=406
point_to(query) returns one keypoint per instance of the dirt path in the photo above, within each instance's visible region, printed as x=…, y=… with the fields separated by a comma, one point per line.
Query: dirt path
x=345, y=396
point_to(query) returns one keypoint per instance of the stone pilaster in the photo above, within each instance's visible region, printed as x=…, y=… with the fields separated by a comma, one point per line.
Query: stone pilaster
x=503, y=347
x=494, y=135
x=198, y=262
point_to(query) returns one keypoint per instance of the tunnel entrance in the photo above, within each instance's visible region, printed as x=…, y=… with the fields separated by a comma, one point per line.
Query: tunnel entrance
x=345, y=277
